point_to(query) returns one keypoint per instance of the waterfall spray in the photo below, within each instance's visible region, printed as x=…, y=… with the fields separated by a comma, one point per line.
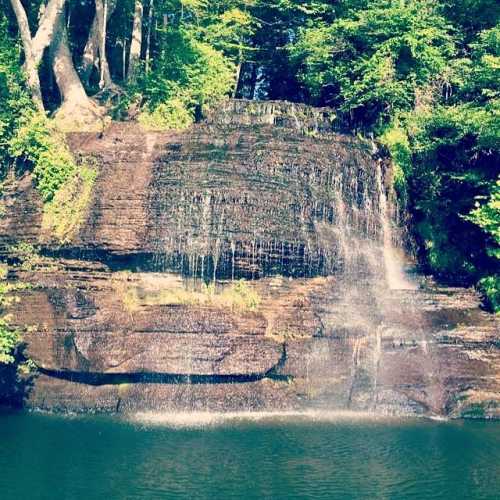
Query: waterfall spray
x=394, y=273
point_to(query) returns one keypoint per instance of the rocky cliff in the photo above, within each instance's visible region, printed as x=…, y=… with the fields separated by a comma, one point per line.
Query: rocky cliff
x=243, y=264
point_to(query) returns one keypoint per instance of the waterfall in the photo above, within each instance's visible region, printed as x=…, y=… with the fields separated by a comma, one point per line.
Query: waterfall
x=395, y=275
x=308, y=304
x=249, y=209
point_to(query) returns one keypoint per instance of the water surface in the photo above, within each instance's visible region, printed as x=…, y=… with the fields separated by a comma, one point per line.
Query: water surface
x=317, y=456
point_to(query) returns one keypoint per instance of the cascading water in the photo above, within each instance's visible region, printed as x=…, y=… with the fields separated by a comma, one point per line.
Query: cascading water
x=396, y=278
x=331, y=213
x=254, y=268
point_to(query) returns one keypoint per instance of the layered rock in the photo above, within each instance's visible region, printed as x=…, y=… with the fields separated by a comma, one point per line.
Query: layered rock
x=168, y=349
x=220, y=200
x=145, y=309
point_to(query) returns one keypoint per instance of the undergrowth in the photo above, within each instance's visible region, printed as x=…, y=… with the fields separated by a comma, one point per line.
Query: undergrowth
x=39, y=145
x=170, y=115
x=236, y=296
x=64, y=214
x=10, y=336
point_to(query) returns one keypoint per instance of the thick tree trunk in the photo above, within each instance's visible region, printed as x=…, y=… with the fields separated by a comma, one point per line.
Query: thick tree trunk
x=77, y=111
x=135, y=42
x=35, y=46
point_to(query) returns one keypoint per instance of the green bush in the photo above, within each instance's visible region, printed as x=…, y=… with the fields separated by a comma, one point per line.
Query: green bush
x=190, y=75
x=487, y=216
x=26, y=254
x=170, y=115
x=490, y=287
x=9, y=336
x=13, y=97
x=65, y=213
x=395, y=138
x=376, y=58
x=38, y=143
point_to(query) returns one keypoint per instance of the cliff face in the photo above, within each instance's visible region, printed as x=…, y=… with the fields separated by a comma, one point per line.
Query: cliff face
x=145, y=309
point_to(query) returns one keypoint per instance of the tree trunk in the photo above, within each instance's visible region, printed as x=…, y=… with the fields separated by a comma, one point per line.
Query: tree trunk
x=34, y=46
x=102, y=14
x=135, y=42
x=94, y=53
x=90, y=52
x=77, y=111
x=238, y=72
x=148, y=36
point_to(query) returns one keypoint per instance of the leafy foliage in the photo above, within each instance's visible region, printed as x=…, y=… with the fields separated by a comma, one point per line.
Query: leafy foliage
x=371, y=62
x=9, y=335
x=172, y=114
x=487, y=216
x=455, y=163
x=190, y=75
x=490, y=286
x=13, y=98
x=38, y=143
x=64, y=214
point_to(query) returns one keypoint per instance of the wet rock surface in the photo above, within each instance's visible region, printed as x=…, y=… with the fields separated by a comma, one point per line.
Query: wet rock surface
x=97, y=352
x=145, y=309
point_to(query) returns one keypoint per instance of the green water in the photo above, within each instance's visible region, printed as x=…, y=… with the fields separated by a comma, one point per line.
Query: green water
x=324, y=457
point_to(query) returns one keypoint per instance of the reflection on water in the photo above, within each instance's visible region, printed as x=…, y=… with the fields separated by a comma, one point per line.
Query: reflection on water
x=317, y=456
x=212, y=419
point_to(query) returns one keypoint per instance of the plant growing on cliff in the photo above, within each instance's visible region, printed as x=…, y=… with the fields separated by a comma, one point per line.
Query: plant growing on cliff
x=236, y=296
x=169, y=115
x=26, y=254
x=9, y=339
x=64, y=214
x=38, y=143
x=65, y=187
x=10, y=336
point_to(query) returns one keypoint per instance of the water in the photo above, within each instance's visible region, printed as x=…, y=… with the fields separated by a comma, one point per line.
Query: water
x=317, y=456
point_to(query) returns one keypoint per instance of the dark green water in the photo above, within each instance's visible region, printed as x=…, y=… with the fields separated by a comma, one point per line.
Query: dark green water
x=47, y=457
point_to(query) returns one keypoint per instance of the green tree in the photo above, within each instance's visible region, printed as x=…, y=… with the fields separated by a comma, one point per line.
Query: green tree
x=374, y=61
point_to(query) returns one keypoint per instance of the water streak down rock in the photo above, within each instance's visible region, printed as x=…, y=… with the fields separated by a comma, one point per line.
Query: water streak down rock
x=144, y=308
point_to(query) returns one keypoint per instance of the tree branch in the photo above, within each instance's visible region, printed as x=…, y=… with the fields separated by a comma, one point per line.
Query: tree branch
x=46, y=27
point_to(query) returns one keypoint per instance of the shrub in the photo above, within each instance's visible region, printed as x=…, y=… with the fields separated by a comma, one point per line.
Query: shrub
x=9, y=339
x=237, y=296
x=170, y=115
x=39, y=144
x=26, y=254
x=396, y=140
x=490, y=287
x=64, y=214
x=190, y=76
x=487, y=216
x=9, y=336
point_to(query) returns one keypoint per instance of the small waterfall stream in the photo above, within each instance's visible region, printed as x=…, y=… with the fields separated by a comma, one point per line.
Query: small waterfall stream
x=396, y=278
